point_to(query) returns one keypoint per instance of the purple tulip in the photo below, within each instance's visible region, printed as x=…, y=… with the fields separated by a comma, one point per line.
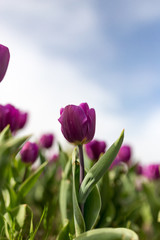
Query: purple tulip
x=46, y=140
x=4, y=60
x=12, y=116
x=2, y=118
x=78, y=123
x=23, y=116
x=124, y=153
x=29, y=152
x=95, y=148
x=151, y=171
x=139, y=169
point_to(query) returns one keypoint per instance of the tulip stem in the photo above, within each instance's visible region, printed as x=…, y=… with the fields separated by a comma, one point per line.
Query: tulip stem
x=25, y=174
x=81, y=171
x=81, y=163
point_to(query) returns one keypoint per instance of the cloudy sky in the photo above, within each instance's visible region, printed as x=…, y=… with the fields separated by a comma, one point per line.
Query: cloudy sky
x=102, y=52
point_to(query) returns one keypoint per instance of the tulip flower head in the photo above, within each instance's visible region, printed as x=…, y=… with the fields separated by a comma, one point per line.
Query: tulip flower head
x=151, y=171
x=123, y=156
x=95, y=148
x=12, y=116
x=78, y=123
x=4, y=60
x=124, y=153
x=29, y=152
x=46, y=140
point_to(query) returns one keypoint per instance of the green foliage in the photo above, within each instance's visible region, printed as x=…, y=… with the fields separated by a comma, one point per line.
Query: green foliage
x=108, y=234
x=98, y=170
x=26, y=186
x=48, y=202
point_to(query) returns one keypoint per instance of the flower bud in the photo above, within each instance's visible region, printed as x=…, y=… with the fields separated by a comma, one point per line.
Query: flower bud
x=29, y=152
x=95, y=148
x=78, y=123
x=151, y=171
x=23, y=116
x=124, y=153
x=12, y=116
x=46, y=140
x=4, y=60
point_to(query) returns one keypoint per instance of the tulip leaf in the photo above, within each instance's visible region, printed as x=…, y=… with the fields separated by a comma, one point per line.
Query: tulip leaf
x=92, y=208
x=65, y=197
x=99, y=168
x=26, y=186
x=5, y=134
x=63, y=158
x=64, y=233
x=18, y=222
x=108, y=234
x=8, y=149
x=78, y=217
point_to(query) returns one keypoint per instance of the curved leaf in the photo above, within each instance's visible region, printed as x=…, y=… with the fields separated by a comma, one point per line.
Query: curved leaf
x=26, y=186
x=92, y=208
x=99, y=168
x=108, y=234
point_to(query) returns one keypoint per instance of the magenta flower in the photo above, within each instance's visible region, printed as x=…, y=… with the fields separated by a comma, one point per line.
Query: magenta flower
x=95, y=148
x=124, y=153
x=46, y=140
x=12, y=116
x=151, y=171
x=23, y=116
x=139, y=169
x=29, y=152
x=78, y=123
x=4, y=60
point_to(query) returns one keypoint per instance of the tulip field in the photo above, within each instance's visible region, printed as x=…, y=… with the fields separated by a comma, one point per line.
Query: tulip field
x=94, y=192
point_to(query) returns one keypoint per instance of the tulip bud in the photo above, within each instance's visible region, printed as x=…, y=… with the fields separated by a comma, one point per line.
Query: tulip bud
x=46, y=140
x=95, y=148
x=124, y=154
x=151, y=171
x=4, y=60
x=78, y=123
x=29, y=152
x=14, y=117
x=23, y=116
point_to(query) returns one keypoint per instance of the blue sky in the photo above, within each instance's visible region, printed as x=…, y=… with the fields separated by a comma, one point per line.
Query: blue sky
x=103, y=52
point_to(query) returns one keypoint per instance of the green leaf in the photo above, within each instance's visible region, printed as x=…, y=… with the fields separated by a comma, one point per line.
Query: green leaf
x=63, y=158
x=64, y=233
x=65, y=197
x=5, y=134
x=65, y=200
x=21, y=222
x=8, y=224
x=6, y=197
x=99, y=168
x=92, y=208
x=8, y=150
x=32, y=235
x=108, y=234
x=27, y=185
x=78, y=218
